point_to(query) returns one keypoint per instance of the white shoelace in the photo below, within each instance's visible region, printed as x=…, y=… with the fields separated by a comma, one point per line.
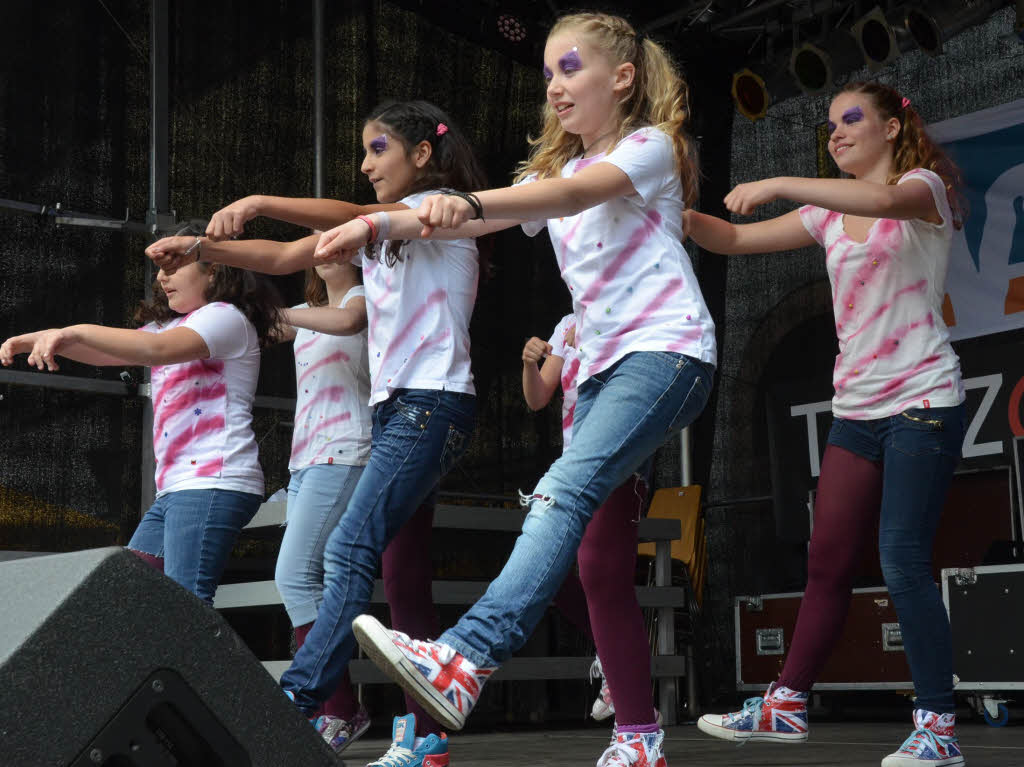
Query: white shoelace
x=396, y=756
x=617, y=753
x=922, y=737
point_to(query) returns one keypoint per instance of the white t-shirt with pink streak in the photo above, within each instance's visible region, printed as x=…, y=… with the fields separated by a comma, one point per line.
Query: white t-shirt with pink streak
x=332, y=384
x=570, y=367
x=632, y=283
x=202, y=410
x=418, y=314
x=887, y=293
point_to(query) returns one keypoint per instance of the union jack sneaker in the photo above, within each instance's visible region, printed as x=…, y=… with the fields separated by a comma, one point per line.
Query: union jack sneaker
x=780, y=715
x=340, y=733
x=635, y=749
x=440, y=679
x=409, y=751
x=603, y=706
x=933, y=743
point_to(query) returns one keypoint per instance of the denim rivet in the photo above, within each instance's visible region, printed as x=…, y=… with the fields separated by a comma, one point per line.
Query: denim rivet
x=428, y=412
x=423, y=426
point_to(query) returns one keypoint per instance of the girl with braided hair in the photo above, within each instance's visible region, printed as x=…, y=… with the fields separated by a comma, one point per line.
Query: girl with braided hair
x=898, y=410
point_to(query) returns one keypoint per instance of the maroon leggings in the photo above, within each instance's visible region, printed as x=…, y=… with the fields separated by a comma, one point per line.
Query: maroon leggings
x=847, y=503
x=607, y=562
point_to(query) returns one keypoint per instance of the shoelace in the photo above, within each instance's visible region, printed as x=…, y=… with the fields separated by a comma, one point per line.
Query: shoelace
x=751, y=706
x=922, y=737
x=445, y=653
x=618, y=753
x=396, y=756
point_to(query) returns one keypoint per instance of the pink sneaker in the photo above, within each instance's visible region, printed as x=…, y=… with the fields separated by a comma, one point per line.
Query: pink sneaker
x=341, y=733
x=442, y=681
x=635, y=749
x=933, y=743
x=780, y=715
x=603, y=706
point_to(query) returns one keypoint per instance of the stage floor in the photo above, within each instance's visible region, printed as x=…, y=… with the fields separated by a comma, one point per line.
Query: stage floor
x=849, y=745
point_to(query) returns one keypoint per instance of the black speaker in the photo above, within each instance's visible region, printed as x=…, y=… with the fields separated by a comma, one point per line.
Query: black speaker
x=105, y=662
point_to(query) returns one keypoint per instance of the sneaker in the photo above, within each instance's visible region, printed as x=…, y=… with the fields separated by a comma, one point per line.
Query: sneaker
x=780, y=715
x=635, y=749
x=432, y=751
x=933, y=743
x=340, y=733
x=603, y=706
x=440, y=679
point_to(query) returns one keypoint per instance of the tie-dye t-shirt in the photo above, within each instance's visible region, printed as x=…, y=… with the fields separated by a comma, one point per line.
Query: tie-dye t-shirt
x=570, y=367
x=887, y=293
x=632, y=283
x=418, y=314
x=202, y=410
x=332, y=383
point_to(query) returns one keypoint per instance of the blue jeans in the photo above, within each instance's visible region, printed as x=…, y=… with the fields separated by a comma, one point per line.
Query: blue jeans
x=623, y=415
x=418, y=435
x=917, y=451
x=317, y=497
x=194, y=532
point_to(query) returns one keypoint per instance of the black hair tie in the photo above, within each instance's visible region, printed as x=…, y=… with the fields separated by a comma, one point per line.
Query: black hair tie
x=473, y=200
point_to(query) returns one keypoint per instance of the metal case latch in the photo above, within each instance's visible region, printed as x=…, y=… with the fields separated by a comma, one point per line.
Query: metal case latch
x=770, y=642
x=892, y=637
x=754, y=604
x=965, y=576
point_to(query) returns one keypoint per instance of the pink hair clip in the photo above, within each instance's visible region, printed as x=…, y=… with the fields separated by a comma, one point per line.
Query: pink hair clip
x=441, y=129
x=905, y=103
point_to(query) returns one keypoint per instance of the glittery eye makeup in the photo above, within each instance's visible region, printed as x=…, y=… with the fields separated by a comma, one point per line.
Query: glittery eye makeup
x=547, y=74
x=853, y=115
x=379, y=144
x=570, y=62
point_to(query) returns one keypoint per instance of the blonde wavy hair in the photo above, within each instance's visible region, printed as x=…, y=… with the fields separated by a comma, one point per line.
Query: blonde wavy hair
x=659, y=97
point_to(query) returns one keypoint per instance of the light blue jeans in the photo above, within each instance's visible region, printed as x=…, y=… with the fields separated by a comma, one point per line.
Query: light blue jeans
x=317, y=497
x=194, y=532
x=623, y=415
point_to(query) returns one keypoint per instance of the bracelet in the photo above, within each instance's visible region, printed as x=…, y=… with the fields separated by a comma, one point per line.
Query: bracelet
x=373, y=229
x=383, y=226
x=197, y=246
x=473, y=200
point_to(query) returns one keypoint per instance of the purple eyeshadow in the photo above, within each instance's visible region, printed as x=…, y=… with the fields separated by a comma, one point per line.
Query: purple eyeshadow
x=547, y=74
x=570, y=62
x=852, y=115
x=379, y=144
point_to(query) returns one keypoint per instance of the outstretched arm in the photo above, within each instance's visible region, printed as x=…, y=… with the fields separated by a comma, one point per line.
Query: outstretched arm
x=99, y=345
x=785, y=232
x=346, y=321
x=264, y=256
x=912, y=199
x=313, y=212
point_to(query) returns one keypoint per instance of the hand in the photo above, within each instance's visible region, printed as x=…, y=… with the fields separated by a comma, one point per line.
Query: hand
x=48, y=344
x=340, y=244
x=745, y=198
x=443, y=211
x=169, y=253
x=536, y=350
x=17, y=345
x=230, y=221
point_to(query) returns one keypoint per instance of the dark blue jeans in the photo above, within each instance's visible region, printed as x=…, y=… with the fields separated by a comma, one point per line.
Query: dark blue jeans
x=418, y=435
x=916, y=452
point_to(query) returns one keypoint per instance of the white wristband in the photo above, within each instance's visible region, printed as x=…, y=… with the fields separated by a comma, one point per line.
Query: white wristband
x=383, y=225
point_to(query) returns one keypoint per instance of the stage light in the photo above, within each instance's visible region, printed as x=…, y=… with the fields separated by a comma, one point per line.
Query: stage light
x=811, y=68
x=511, y=28
x=750, y=94
x=932, y=25
x=876, y=39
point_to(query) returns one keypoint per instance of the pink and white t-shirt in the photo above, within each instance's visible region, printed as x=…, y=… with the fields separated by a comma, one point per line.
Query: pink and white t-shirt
x=631, y=282
x=560, y=347
x=202, y=410
x=332, y=383
x=418, y=314
x=887, y=293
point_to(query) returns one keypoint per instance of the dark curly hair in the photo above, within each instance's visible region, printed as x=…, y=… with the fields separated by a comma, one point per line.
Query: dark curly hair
x=252, y=294
x=452, y=163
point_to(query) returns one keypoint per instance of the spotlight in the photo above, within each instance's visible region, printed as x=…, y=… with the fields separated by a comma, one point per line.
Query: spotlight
x=511, y=28
x=811, y=67
x=934, y=24
x=876, y=39
x=750, y=94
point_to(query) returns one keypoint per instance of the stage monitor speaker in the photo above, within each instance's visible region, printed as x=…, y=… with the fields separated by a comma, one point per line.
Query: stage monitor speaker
x=104, y=662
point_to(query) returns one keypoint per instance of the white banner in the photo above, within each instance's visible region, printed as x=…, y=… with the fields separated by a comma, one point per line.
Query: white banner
x=985, y=283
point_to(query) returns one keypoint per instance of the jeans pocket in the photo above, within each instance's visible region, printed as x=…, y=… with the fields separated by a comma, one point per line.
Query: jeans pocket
x=416, y=408
x=922, y=431
x=455, y=446
x=696, y=398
